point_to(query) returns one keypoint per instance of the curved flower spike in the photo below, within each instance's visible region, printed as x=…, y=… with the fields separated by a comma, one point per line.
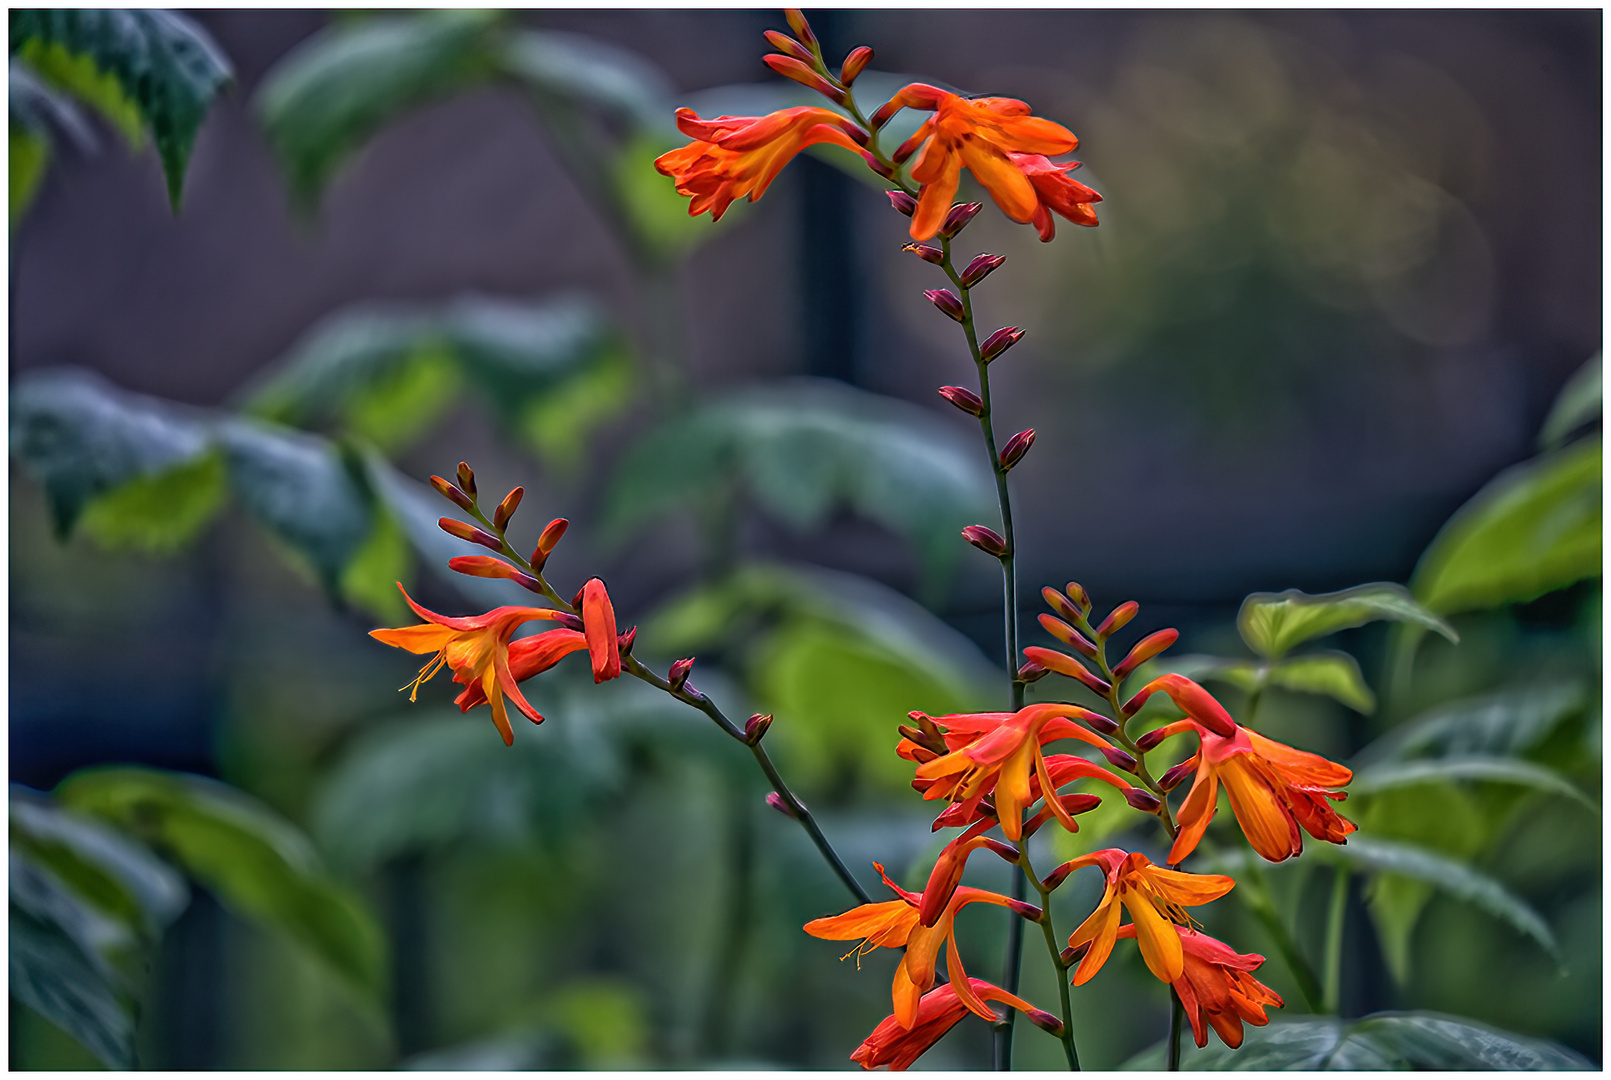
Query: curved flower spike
x=894, y=1046
x=1274, y=790
x=476, y=648
x=1216, y=989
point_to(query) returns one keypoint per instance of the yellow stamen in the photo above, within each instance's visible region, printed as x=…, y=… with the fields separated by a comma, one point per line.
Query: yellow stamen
x=432, y=666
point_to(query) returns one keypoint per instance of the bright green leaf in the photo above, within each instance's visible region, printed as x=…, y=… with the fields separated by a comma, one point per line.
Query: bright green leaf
x=1505, y=723
x=1580, y=401
x=29, y=156
x=1534, y=528
x=1334, y=674
x=78, y=74
x=1497, y=770
x=369, y=580
x=557, y=424
x=1272, y=623
x=657, y=214
x=159, y=512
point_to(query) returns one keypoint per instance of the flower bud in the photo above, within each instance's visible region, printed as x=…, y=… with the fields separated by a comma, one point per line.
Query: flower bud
x=1057, y=876
x=1061, y=604
x=451, y=493
x=506, y=509
x=790, y=68
x=1119, y=759
x=1016, y=448
x=775, y=801
x=886, y=171
x=1065, y=633
x=946, y=301
x=1000, y=342
x=548, y=541
x=488, y=567
x=1081, y=802
x=1145, y=801
x=907, y=148
x=1076, y=592
x=927, y=252
x=1029, y=672
x=1171, y=779
x=679, y=672
x=1026, y=910
x=986, y=540
x=855, y=61
x=786, y=45
x=623, y=642
x=1100, y=723
x=966, y=400
x=755, y=727
x=1145, y=650
x=467, y=479
x=958, y=217
x=980, y=268
x=1072, y=954
x=1117, y=619
x=567, y=620
x=801, y=28
x=902, y=202
x=926, y=724
x=1064, y=664
x=576, y=601
x=1045, y=1021
x=465, y=531
x=1005, y=850
x=1152, y=739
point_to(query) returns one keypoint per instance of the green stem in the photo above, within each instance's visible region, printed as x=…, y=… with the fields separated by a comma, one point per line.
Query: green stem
x=1334, y=940
x=1177, y=1012
x=1070, y=1051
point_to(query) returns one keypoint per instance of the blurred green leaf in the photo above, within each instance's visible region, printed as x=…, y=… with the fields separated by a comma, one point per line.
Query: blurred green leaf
x=1497, y=770
x=156, y=61
x=585, y=71
x=159, y=512
x=1534, y=528
x=339, y=87
x=29, y=155
x=656, y=212
x=1272, y=623
x=255, y=861
x=1333, y=674
x=1242, y=674
x=1580, y=401
x=803, y=448
x=1386, y=1040
x=1507, y=722
x=369, y=580
x=606, y=1022
x=51, y=974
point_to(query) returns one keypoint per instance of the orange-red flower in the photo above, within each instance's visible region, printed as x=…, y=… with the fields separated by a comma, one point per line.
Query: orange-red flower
x=1216, y=989
x=598, y=624
x=528, y=656
x=1274, y=790
x=476, y=648
x=895, y=1046
x=734, y=157
x=1000, y=143
x=1155, y=897
x=894, y=923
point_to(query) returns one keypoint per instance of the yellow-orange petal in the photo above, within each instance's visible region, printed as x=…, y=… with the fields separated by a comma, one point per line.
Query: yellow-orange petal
x=1007, y=185
x=598, y=623
x=1160, y=944
x=934, y=201
x=1269, y=828
x=1195, y=814
x=500, y=713
x=425, y=638
x=1101, y=930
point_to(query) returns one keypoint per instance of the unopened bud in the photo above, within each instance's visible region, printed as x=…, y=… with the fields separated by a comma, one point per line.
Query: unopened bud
x=958, y=217
x=986, y=540
x=487, y=567
x=775, y=801
x=1171, y=779
x=801, y=28
x=855, y=62
x=1145, y=801
x=1076, y=592
x=755, y=727
x=465, y=531
x=623, y=642
x=1098, y=722
x=679, y=672
x=1016, y=448
x=548, y=541
x=886, y=171
x=926, y=724
x=567, y=620
x=1152, y=739
x=1073, y=953
x=966, y=400
x=1119, y=759
x=927, y=252
x=451, y=493
x=1080, y=802
x=1000, y=342
x=1057, y=876
x=1030, y=671
x=1045, y=1021
x=790, y=68
x=1065, y=633
x=576, y=601
x=785, y=44
x=1117, y=619
x=507, y=508
x=946, y=301
x=1019, y=907
x=980, y=268
x=902, y=202
x=467, y=479
x=1061, y=604
x=1145, y=650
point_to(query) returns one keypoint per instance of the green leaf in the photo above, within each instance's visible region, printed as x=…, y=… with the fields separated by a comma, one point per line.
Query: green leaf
x=804, y=448
x=78, y=75
x=1580, y=402
x=585, y=71
x=1387, y=1040
x=1333, y=674
x=1242, y=674
x=1505, y=723
x=255, y=861
x=29, y=156
x=159, y=512
x=51, y=974
x=338, y=88
x=1272, y=623
x=160, y=62
x=650, y=201
x=38, y=114
x=1497, y=770
x=1533, y=529
x=369, y=580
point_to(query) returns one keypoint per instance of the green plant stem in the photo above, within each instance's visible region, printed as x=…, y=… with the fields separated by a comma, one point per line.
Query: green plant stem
x=1177, y=1012
x=1334, y=939
x=1070, y=1051
x=1255, y=893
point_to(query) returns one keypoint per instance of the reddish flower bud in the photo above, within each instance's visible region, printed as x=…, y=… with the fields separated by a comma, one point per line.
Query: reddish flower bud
x=902, y=202
x=467, y=479
x=958, y=217
x=801, y=28
x=1119, y=758
x=1145, y=801
x=786, y=45
x=1045, y=1021
x=1065, y=633
x=1152, y=739
x=926, y=724
x=623, y=642
x=507, y=508
x=790, y=68
x=1000, y=342
x=1005, y=850
x=1098, y=722
x=966, y=400
x=927, y=252
x=886, y=171
x=980, y=268
x=1145, y=650
x=1019, y=907
x=1016, y=448
x=907, y=148
x=548, y=541
x=855, y=61
x=926, y=748
x=1061, y=604
x=1058, y=876
x=488, y=567
x=679, y=672
x=1117, y=619
x=755, y=727
x=1076, y=592
x=775, y=801
x=576, y=601
x=986, y=540
x=1170, y=780
x=465, y=531
x=567, y=620
x=1029, y=672
x=946, y=301
x=453, y=494
x=1073, y=953
x=1064, y=664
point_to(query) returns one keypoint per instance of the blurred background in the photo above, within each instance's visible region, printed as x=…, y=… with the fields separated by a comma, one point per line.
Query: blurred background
x=1347, y=263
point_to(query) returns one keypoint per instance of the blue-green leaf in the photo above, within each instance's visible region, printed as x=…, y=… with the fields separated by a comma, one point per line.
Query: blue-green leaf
x=1272, y=623
x=589, y=72
x=1499, y=770
x=1505, y=723
x=1580, y=401
x=53, y=975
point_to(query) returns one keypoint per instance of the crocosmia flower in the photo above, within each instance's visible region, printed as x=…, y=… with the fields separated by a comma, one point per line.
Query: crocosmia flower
x=1216, y=988
x=1057, y=191
x=895, y=1046
x=1274, y=791
x=735, y=157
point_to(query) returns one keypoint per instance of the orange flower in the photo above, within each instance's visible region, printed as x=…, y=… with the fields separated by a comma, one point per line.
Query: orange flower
x=1057, y=191
x=732, y=157
x=896, y=1046
x=894, y=923
x=1274, y=789
x=476, y=648
x=984, y=134
x=1155, y=897
x=1216, y=989
x=528, y=656
x=598, y=623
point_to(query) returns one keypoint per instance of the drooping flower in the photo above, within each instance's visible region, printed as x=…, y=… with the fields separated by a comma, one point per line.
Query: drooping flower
x=894, y=923
x=1216, y=987
x=734, y=157
x=1057, y=191
x=1274, y=791
x=998, y=141
x=1155, y=897
x=895, y=1046
x=475, y=648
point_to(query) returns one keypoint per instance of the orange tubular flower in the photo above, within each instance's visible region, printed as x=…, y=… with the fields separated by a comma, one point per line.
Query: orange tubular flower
x=895, y=1046
x=1274, y=790
x=1215, y=988
x=1155, y=897
x=734, y=157
x=598, y=624
x=527, y=657
x=894, y=923
x=1057, y=191
x=476, y=648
